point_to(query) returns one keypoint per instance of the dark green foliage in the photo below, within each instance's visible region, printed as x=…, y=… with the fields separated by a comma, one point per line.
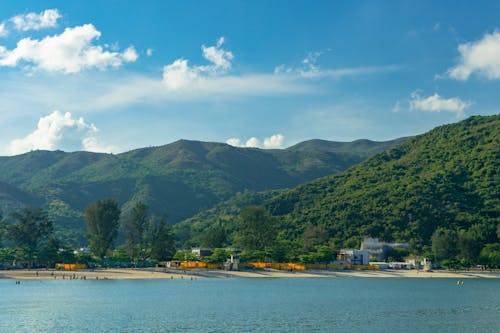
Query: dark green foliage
x=214, y=237
x=322, y=254
x=102, y=219
x=446, y=179
x=31, y=231
x=160, y=240
x=219, y=256
x=146, y=237
x=444, y=244
x=182, y=178
x=135, y=226
x=490, y=255
x=313, y=236
x=256, y=229
x=221, y=218
x=397, y=254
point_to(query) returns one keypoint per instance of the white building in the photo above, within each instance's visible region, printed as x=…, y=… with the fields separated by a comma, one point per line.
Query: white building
x=353, y=257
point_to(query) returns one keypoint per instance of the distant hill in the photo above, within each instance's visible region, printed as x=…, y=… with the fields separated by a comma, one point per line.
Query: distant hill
x=362, y=147
x=448, y=177
x=180, y=179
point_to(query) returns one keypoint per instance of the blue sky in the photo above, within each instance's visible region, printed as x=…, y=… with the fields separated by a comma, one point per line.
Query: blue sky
x=116, y=75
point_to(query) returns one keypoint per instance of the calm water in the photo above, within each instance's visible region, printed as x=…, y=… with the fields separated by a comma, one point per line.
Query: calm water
x=251, y=305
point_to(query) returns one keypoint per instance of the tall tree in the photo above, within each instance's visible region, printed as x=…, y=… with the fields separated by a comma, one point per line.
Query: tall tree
x=136, y=226
x=102, y=220
x=30, y=230
x=160, y=239
x=444, y=243
x=256, y=228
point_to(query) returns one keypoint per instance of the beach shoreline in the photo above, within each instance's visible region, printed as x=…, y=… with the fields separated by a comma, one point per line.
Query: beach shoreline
x=160, y=273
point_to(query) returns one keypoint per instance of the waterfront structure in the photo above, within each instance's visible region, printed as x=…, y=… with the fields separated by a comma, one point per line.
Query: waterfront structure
x=202, y=252
x=353, y=257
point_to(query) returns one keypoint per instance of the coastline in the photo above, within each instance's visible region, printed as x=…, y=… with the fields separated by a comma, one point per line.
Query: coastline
x=158, y=273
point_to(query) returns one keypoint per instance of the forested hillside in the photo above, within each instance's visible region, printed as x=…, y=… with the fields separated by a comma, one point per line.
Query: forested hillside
x=179, y=179
x=446, y=180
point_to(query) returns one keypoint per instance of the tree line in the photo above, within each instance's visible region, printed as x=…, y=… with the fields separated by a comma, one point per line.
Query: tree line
x=28, y=237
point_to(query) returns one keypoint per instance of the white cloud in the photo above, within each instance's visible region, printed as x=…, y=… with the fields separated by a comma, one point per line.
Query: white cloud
x=311, y=70
x=273, y=142
x=3, y=30
x=220, y=58
x=481, y=57
x=149, y=52
x=70, y=52
x=33, y=21
x=59, y=131
x=179, y=74
x=185, y=80
x=130, y=54
x=436, y=103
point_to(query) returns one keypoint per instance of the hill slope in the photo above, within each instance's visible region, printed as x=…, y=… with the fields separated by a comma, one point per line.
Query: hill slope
x=448, y=177
x=180, y=179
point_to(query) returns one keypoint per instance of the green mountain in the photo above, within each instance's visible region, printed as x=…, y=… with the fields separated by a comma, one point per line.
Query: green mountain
x=448, y=177
x=179, y=179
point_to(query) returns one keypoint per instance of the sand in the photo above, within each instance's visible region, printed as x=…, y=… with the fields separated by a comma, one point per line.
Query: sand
x=159, y=273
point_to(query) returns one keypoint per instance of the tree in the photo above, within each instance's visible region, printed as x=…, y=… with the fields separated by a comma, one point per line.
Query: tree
x=214, y=237
x=313, y=236
x=219, y=256
x=256, y=228
x=490, y=255
x=470, y=244
x=135, y=231
x=397, y=254
x=102, y=220
x=160, y=239
x=444, y=243
x=31, y=230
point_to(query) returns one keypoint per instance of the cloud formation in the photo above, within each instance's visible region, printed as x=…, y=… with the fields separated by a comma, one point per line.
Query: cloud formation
x=273, y=142
x=311, y=70
x=59, y=131
x=3, y=30
x=481, y=57
x=179, y=74
x=33, y=21
x=69, y=52
x=436, y=103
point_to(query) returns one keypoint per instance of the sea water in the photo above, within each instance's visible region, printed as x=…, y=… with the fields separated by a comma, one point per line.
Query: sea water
x=251, y=305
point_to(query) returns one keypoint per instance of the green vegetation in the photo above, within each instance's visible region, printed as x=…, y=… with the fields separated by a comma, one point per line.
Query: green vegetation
x=439, y=192
x=443, y=183
x=183, y=178
x=102, y=219
x=30, y=233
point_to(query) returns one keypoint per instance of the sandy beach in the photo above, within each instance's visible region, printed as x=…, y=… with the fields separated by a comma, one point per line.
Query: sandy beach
x=129, y=273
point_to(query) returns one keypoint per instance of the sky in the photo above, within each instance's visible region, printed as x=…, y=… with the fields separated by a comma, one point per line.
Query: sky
x=111, y=76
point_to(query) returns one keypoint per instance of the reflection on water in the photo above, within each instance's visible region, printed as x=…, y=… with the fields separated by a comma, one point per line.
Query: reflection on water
x=251, y=305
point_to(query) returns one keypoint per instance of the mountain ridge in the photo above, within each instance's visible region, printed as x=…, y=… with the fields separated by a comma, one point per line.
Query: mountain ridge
x=180, y=178
x=445, y=178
